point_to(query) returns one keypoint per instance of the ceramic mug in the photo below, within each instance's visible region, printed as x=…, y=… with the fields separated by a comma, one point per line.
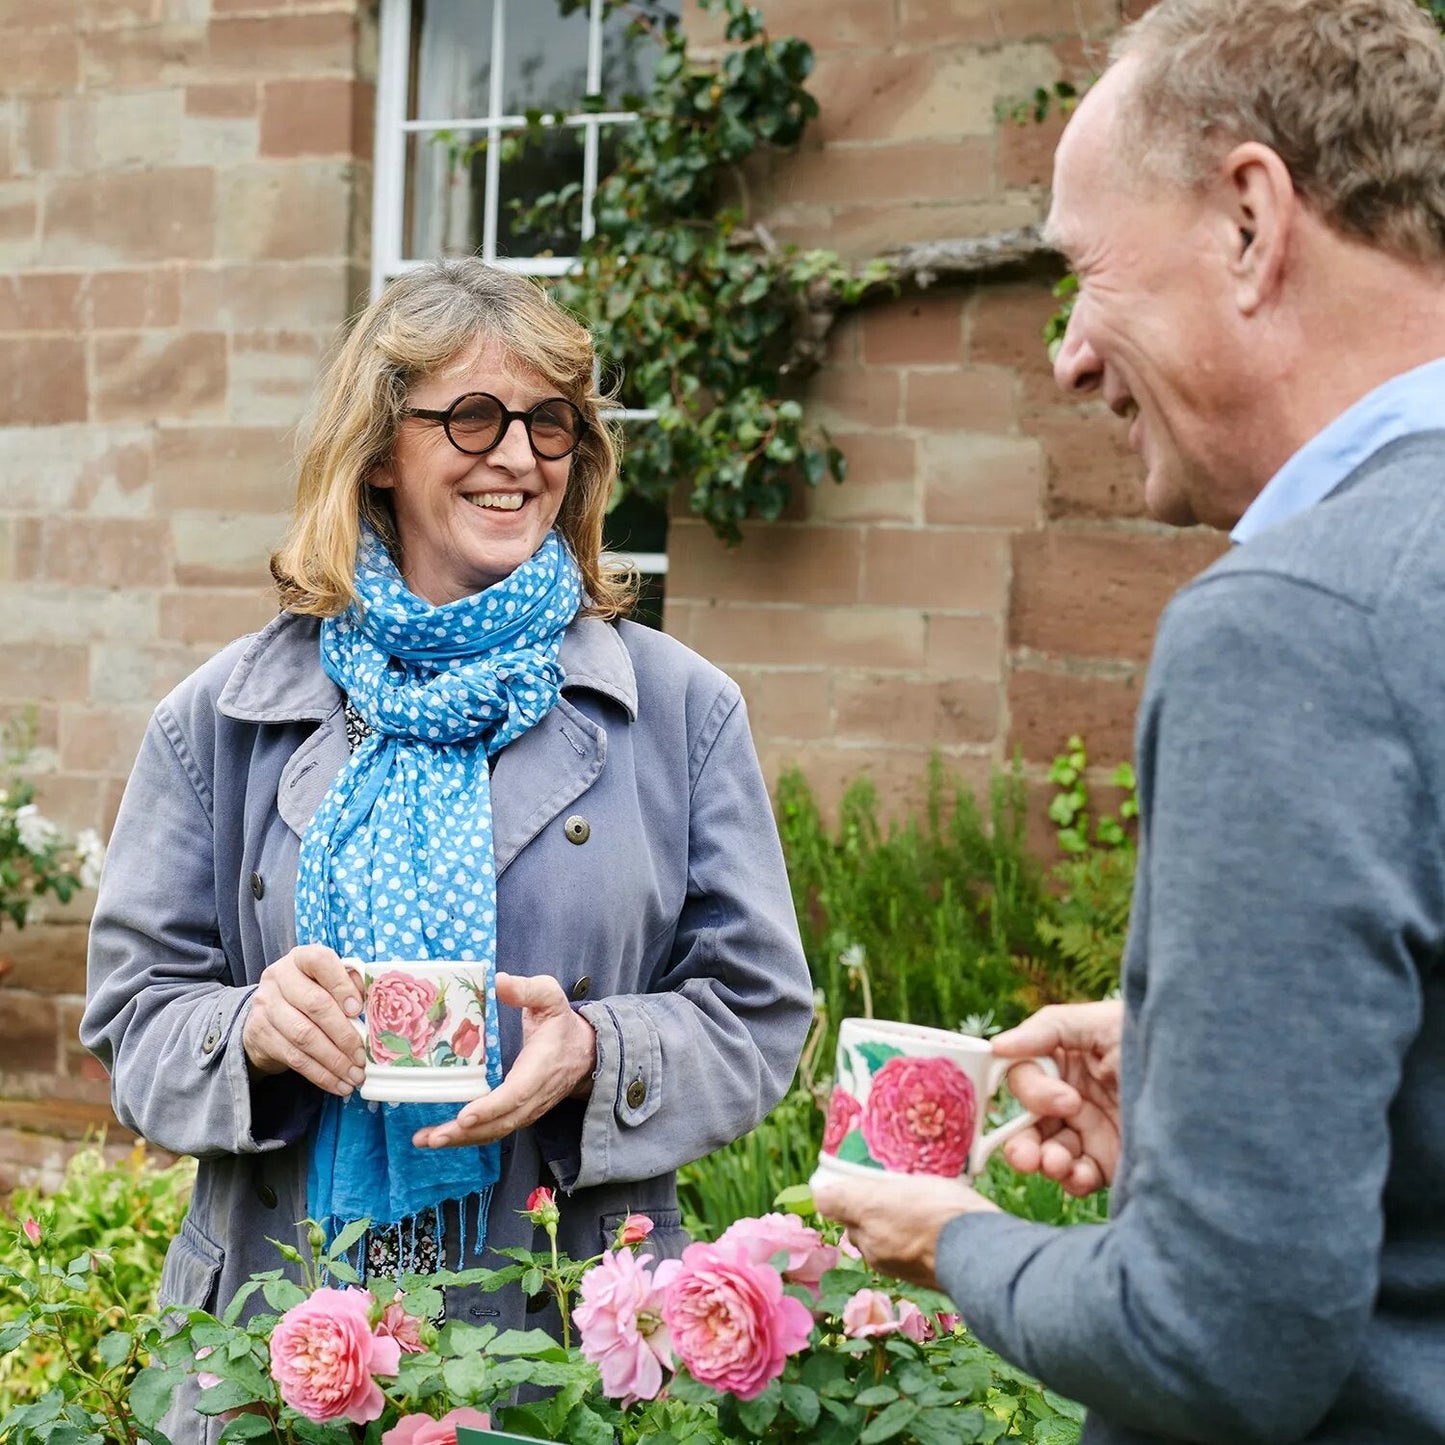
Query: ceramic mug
x=423, y=1026
x=912, y=1100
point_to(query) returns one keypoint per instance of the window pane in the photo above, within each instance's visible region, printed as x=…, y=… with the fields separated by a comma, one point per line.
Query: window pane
x=453, y=59
x=636, y=525
x=551, y=160
x=546, y=64
x=628, y=57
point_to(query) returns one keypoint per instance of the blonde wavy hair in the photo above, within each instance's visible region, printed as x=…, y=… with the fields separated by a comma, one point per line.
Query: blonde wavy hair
x=423, y=320
x=1350, y=94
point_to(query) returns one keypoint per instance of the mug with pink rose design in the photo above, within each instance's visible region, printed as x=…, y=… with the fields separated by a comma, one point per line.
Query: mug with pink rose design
x=912, y=1100
x=423, y=1027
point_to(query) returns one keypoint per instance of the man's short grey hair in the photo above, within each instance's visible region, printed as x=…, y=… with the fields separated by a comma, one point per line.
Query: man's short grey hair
x=1349, y=93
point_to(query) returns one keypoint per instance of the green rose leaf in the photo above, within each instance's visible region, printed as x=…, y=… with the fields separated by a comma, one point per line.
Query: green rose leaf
x=802, y=1404
x=228, y=1395
x=114, y=1348
x=151, y=1393
x=248, y=1427
x=892, y=1421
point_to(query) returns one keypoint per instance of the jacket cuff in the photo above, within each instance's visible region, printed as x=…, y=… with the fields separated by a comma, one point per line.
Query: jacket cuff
x=626, y=1085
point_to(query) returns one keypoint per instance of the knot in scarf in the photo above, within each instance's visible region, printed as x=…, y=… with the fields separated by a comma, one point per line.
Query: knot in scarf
x=397, y=862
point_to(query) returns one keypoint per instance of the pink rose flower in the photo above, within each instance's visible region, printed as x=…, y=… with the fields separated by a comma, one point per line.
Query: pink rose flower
x=423, y=1430
x=920, y=1116
x=913, y=1322
x=869, y=1312
x=731, y=1323
x=620, y=1319
x=948, y=1322
x=466, y=1039
x=324, y=1353
x=405, y=1329
x=31, y=1229
x=400, y=1004
x=808, y=1257
x=843, y=1113
x=635, y=1228
x=204, y=1378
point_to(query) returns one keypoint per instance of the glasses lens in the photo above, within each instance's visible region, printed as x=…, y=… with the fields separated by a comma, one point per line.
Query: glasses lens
x=475, y=422
x=556, y=428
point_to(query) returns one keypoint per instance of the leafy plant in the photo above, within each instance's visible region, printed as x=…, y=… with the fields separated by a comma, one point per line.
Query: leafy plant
x=36, y=856
x=122, y=1215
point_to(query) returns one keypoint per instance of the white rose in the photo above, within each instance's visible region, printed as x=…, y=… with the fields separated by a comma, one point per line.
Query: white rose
x=92, y=855
x=36, y=832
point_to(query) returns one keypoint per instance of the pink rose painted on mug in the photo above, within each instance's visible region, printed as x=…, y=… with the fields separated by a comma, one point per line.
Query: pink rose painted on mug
x=403, y=1015
x=844, y=1111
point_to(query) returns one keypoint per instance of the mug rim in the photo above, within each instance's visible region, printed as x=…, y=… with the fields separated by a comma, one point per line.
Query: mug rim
x=919, y=1033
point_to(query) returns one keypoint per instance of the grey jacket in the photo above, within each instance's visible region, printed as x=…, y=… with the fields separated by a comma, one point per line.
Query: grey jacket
x=1274, y=1270
x=673, y=920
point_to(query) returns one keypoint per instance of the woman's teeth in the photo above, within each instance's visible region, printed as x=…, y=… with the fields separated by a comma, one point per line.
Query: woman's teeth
x=498, y=501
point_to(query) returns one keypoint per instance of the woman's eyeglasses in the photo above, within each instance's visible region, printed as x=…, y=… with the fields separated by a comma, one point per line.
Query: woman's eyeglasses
x=477, y=422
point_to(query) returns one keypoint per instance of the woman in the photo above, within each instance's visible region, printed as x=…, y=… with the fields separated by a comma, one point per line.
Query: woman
x=571, y=794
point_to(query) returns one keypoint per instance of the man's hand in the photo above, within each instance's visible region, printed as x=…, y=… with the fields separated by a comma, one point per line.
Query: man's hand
x=1076, y=1140
x=895, y=1221
x=300, y=1019
x=558, y=1055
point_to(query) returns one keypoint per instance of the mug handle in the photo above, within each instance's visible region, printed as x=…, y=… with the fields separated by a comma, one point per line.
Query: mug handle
x=985, y=1144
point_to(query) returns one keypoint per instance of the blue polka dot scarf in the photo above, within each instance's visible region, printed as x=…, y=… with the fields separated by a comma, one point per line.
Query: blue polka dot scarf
x=397, y=861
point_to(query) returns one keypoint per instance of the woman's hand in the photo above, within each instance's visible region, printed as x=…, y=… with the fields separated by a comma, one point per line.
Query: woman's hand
x=1076, y=1140
x=300, y=1020
x=556, y=1062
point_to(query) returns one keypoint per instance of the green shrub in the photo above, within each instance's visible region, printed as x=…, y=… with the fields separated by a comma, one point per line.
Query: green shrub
x=127, y=1213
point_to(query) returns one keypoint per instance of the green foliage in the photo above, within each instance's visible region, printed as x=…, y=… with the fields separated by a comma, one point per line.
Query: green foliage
x=117, y=1219
x=701, y=314
x=36, y=856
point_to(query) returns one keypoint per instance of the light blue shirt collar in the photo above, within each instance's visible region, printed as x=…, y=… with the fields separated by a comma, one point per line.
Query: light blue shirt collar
x=1411, y=402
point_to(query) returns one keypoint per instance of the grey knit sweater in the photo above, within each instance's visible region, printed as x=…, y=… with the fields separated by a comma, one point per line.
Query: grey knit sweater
x=1274, y=1269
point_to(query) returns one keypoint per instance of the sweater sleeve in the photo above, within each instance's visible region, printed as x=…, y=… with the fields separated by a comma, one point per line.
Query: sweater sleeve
x=1289, y=887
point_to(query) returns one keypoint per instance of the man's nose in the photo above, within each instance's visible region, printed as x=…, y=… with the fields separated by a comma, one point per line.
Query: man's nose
x=1077, y=368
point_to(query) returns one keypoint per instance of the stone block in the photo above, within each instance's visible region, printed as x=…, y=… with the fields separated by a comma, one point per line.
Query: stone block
x=922, y=331
x=1098, y=593
x=89, y=552
x=44, y=958
x=833, y=24
x=791, y=636
x=865, y=231
x=935, y=569
x=283, y=210
x=29, y=1032
x=881, y=485
x=157, y=215
x=1005, y=327
x=790, y=703
x=149, y=375
x=50, y=612
x=140, y=673
x=40, y=301
x=891, y=710
x=1092, y=471
x=317, y=117
x=947, y=22
x=170, y=53
x=102, y=739
x=138, y=127
x=223, y=469
x=40, y=62
x=1048, y=19
x=225, y=551
x=1026, y=150
x=57, y=672
x=854, y=396
x=211, y=616
x=223, y=100
x=284, y=295
x=973, y=479
x=42, y=381
x=131, y=300
x=776, y=561
x=274, y=374
x=963, y=645
x=971, y=399
x=315, y=44
x=77, y=468
x=19, y=224
x=888, y=174
x=1046, y=708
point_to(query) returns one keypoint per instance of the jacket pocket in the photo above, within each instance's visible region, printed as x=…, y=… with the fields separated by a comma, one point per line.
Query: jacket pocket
x=192, y=1270
x=667, y=1240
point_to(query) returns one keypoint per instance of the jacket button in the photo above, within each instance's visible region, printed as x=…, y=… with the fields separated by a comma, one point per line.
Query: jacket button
x=258, y=885
x=266, y=1195
x=582, y=988
x=208, y=1044
x=577, y=829
x=636, y=1093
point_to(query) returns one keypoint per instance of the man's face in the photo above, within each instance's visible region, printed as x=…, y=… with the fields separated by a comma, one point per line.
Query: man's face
x=1152, y=329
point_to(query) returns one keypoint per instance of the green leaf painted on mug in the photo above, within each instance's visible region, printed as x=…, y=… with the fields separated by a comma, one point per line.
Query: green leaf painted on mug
x=394, y=1043
x=877, y=1054
x=438, y=1011
x=854, y=1151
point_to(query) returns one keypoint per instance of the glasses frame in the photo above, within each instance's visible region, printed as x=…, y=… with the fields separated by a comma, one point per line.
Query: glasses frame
x=444, y=419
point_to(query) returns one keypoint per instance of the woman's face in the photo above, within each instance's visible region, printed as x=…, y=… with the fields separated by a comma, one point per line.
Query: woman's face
x=466, y=522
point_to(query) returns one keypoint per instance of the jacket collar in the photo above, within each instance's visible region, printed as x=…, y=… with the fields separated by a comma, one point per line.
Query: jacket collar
x=278, y=678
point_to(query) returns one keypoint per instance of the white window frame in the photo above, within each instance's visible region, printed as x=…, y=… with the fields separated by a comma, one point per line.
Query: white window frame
x=388, y=203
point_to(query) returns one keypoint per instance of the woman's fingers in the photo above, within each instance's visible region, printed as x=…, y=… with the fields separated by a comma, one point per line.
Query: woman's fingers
x=299, y=1020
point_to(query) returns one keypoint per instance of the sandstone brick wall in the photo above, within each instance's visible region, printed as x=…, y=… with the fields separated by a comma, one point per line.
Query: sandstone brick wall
x=184, y=200
x=984, y=580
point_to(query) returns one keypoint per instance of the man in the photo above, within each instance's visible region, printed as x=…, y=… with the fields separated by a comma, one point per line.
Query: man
x=1253, y=197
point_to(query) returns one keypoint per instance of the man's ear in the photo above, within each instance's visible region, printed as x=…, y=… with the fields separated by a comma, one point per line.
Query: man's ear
x=1260, y=209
